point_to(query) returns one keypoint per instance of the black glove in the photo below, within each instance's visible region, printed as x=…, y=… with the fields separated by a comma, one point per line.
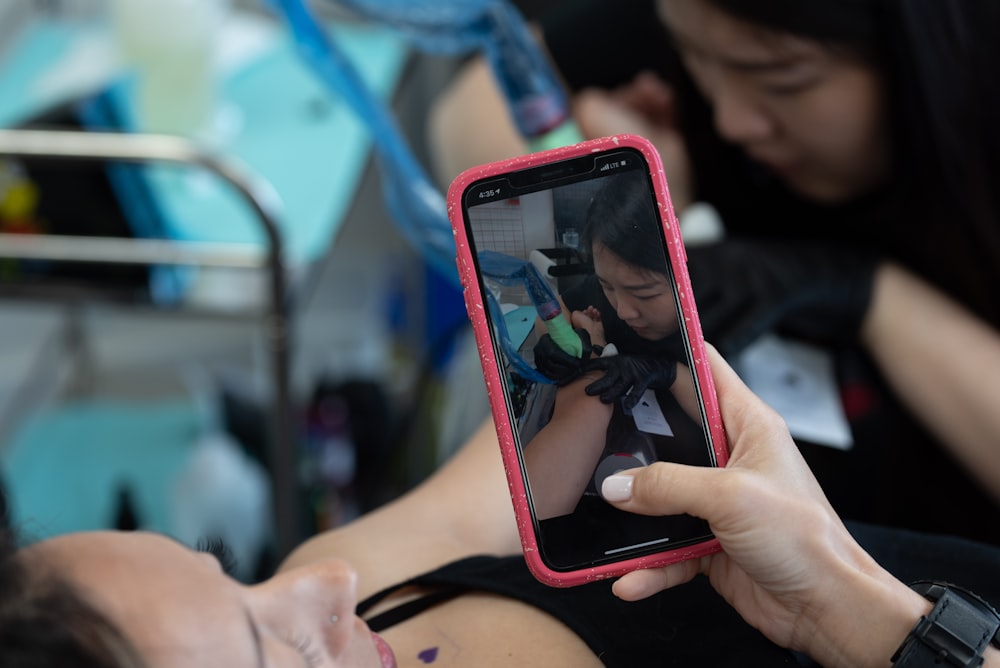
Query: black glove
x=558, y=365
x=813, y=290
x=630, y=376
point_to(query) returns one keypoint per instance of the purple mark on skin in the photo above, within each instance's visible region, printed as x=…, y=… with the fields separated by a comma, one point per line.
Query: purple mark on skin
x=428, y=655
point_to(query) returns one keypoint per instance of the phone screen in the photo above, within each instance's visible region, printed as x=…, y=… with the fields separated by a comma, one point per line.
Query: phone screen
x=589, y=228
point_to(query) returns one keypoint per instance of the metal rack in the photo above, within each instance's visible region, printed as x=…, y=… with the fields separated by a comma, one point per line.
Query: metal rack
x=31, y=145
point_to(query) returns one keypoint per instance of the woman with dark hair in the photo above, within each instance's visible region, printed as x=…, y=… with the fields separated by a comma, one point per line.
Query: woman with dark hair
x=444, y=583
x=626, y=312
x=628, y=298
x=851, y=153
x=620, y=231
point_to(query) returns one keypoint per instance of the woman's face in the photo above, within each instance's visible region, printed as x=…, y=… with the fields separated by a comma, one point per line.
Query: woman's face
x=179, y=609
x=814, y=116
x=643, y=299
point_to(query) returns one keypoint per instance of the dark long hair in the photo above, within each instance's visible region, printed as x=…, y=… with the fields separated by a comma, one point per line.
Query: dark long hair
x=940, y=213
x=45, y=623
x=621, y=218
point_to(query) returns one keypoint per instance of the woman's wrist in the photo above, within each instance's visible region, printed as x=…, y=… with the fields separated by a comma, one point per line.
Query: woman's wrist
x=865, y=620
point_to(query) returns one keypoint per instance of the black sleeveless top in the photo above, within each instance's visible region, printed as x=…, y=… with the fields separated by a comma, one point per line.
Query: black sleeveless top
x=689, y=625
x=686, y=626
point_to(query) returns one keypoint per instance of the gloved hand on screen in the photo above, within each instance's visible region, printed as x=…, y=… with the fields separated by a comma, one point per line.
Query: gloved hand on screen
x=558, y=365
x=629, y=376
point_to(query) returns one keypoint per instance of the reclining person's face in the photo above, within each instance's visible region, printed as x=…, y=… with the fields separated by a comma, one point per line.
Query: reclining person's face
x=178, y=608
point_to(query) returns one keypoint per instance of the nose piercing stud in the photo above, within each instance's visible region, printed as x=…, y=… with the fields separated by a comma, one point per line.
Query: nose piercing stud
x=334, y=619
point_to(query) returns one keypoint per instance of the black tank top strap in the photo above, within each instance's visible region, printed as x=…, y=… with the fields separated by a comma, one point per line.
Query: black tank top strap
x=412, y=608
x=442, y=581
x=687, y=626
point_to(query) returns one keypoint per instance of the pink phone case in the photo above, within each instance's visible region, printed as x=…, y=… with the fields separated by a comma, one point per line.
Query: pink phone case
x=491, y=370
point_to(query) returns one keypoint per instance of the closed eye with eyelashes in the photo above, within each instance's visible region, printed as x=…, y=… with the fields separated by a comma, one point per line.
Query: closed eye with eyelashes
x=217, y=547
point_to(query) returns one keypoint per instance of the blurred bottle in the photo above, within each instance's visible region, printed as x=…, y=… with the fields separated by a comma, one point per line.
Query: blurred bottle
x=126, y=518
x=571, y=238
x=171, y=45
x=329, y=462
x=222, y=492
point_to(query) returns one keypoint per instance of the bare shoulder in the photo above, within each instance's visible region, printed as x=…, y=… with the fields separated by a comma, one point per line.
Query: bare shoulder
x=488, y=631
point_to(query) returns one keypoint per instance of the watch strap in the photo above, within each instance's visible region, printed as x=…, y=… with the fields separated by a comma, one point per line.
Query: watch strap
x=954, y=633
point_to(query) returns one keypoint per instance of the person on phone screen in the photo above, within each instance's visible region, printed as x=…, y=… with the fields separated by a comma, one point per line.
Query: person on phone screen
x=630, y=399
x=850, y=153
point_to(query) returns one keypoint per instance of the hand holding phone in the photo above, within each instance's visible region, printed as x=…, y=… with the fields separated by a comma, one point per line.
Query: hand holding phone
x=585, y=235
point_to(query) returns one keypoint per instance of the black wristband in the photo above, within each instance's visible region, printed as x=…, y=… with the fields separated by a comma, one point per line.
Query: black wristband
x=955, y=633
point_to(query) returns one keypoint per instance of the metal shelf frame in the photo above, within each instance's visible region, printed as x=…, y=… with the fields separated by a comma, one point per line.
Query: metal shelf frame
x=29, y=145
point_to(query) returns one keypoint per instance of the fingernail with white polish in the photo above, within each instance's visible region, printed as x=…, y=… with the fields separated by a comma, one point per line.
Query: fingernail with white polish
x=617, y=488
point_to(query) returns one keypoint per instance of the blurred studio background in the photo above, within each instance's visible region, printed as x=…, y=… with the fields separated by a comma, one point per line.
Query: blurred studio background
x=224, y=308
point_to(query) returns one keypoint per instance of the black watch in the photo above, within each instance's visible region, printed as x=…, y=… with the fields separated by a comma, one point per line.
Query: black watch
x=954, y=633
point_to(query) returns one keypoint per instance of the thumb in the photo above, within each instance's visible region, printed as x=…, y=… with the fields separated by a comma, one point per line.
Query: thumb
x=664, y=488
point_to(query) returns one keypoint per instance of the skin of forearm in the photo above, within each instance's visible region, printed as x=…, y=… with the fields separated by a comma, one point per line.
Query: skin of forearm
x=470, y=124
x=683, y=390
x=943, y=362
x=560, y=460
